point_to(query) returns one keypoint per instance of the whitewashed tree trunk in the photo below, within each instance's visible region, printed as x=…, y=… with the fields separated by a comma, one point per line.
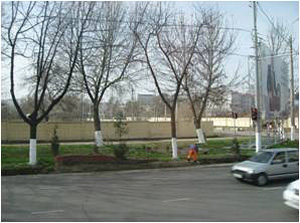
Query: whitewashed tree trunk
x=200, y=135
x=174, y=148
x=98, y=138
x=32, y=152
x=292, y=133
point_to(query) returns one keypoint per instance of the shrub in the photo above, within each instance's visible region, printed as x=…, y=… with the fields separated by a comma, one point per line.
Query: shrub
x=120, y=126
x=235, y=148
x=146, y=149
x=55, y=143
x=82, y=159
x=168, y=148
x=120, y=151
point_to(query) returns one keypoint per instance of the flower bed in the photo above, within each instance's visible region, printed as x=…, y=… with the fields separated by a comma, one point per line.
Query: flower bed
x=225, y=159
x=24, y=170
x=87, y=163
x=82, y=159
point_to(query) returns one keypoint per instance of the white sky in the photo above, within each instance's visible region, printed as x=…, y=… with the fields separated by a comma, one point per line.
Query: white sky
x=239, y=14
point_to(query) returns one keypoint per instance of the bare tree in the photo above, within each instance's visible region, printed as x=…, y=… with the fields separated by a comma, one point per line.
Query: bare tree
x=277, y=39
x=169, y=46
x=37, y=32
x=204, y=83
x=106, y=53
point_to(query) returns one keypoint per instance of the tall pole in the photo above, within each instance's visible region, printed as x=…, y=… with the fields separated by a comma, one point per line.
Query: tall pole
x=257, y=101
x=292, y=91
x=250, y=100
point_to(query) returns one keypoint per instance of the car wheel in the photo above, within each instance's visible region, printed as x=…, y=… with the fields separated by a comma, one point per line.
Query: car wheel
x=239, y=179
x=261, y=179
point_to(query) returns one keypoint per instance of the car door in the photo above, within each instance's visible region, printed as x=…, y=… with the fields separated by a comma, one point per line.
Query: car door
x=278, y=165
x=293, y=162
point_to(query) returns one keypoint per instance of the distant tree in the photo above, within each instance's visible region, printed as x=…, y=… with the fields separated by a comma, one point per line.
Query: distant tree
x=277, y=38
x=132, y=109
x=38, y=32
x=8, y=111
x=72, y=107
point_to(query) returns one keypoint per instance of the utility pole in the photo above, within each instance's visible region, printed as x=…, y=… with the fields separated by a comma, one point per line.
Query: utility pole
x=257, y=101
x=292, y=90
x=250, y=101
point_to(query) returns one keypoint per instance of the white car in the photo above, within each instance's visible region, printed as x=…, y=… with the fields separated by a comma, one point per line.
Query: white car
x=291, y=195
x=267, y=165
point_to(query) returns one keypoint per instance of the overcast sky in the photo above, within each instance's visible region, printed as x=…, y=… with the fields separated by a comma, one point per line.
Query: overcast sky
x=239, y=15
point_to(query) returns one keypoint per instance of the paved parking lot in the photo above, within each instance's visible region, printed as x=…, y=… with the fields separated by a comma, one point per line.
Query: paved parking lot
x=198, y=193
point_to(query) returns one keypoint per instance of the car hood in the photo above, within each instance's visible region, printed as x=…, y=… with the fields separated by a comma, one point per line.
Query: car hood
x=248, y=166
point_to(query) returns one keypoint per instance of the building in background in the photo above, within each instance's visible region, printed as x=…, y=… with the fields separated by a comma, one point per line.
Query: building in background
x=236, y=102
x=241, y=103
x=145, y=99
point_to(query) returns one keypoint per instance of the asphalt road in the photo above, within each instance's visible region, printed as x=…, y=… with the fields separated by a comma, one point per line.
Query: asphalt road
x=195, y=193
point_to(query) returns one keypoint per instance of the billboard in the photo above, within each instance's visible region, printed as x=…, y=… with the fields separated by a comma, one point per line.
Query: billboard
x=274, y=74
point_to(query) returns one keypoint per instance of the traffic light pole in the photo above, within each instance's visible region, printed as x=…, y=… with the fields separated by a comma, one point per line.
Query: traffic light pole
x=257, y=101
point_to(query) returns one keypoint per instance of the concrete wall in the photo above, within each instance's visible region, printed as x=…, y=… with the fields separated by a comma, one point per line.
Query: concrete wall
x=84, y=131
x=242, y=122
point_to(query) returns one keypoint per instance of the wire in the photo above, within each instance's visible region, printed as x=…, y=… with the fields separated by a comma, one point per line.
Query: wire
x=272, y=23
x=241, y=55
x=296, y=20
x=262, y=10
x=278, y=55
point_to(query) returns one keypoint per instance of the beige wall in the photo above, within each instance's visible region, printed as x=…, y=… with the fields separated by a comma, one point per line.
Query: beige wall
x=229, y=122
x=79, y=131
x=242, y=122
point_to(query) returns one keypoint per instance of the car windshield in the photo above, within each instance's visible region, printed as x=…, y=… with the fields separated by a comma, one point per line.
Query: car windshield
x=261, y=157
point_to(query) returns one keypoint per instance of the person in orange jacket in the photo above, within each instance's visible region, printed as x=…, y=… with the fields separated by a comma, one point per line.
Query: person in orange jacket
x=193, y=153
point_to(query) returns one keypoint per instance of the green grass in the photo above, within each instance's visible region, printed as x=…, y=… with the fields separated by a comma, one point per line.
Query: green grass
x=17, y=156
x=288, y=144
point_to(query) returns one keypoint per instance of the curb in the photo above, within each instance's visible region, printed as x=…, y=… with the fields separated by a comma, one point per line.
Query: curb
x=120, y=170
x=106, y=166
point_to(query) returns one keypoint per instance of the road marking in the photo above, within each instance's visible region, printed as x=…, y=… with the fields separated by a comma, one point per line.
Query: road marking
x=273, y=188
x=49, y=188
x=180, y=199
x=47, y=212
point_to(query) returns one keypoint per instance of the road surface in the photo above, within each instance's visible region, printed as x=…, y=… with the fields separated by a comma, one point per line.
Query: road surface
x=198, y=193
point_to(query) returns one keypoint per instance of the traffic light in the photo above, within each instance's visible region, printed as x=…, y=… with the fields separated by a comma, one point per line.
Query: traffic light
x=234, y=115
x=254, y=114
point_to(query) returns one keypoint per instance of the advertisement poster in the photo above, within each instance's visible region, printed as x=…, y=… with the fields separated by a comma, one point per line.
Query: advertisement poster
x=274, y=85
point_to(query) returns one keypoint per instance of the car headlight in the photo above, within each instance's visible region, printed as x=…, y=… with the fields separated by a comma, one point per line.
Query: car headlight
x=250, y=171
